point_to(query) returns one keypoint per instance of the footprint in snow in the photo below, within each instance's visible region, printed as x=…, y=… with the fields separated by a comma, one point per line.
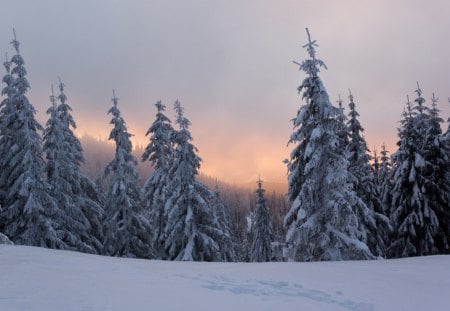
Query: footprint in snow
x=280, y=288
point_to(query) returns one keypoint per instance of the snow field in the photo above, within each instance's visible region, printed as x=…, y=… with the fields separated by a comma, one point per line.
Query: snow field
x=41, y=279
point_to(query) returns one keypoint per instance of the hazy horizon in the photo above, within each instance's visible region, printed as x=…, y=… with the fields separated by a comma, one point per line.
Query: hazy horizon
x=230, y=64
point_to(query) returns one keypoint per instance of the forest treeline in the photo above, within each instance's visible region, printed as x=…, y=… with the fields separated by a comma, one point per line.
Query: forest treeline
x=344, y=202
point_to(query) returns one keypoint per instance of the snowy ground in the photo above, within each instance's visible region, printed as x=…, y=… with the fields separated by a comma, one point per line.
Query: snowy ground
x=41, y=279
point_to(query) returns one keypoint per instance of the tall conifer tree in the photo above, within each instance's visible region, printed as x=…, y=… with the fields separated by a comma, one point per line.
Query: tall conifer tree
x=28, y=211
x=7, y=110
x=86, y=191
x=437, y=184
x=321, y=224
x=192, y=232
x=374, y=225
x=262, y=229
x=125, y=228
x=413, y=213
x=384, y=181
x=375, y=164
x=80, y=213
x=159, y=152
x=343, y=129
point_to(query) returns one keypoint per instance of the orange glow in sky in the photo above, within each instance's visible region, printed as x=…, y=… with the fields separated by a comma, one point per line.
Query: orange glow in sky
x=241, y=162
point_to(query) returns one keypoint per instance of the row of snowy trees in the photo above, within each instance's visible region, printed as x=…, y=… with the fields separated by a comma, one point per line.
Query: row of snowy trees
x=419, y=196
x=347, y=204
x=44, y=202
x=47, y=201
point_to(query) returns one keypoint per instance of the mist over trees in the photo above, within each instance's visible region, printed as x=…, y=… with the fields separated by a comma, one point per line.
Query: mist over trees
x=108, y=197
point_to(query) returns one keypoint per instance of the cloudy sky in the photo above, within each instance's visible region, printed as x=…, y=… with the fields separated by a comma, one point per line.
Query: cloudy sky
x=230, y=64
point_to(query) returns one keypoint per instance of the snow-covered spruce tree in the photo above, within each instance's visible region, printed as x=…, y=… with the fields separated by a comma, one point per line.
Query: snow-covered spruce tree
x=321, y=224
x=126, y=230
x=159, y=152
x=359, y=159
x=262, y=229
x=343, y=129
x=77, y=208
x=87, y=195
x=222, y=214
x=71, y=223
x=413, y=214
x=28, y=211
x=240, y=226
x=7, y=110
x=374, y=226
x=192, y=232
x=375, y=164
x=384, y=182
x=381, y=168
x=437, y=184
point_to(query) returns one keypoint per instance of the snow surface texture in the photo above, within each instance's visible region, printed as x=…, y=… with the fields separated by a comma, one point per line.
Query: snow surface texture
x=41, y=279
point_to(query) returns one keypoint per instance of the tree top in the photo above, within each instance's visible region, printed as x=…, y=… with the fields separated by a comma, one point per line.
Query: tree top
x=53, y=98
x=114, y=99
x=14, y=42
x=259, y=182
x=310, y=45
x=311, y=66
x=339, y=101
x=61, y=85
x=7, y=64
x=419, y=90
x=350, y=95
